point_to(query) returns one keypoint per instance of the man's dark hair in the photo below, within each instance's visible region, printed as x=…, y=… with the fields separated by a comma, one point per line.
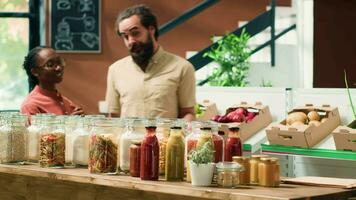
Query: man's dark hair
x=143, y=12
x=29, y=63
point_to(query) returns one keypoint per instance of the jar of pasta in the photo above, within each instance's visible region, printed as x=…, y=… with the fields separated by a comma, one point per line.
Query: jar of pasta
x=52, y=143
x=103, y=147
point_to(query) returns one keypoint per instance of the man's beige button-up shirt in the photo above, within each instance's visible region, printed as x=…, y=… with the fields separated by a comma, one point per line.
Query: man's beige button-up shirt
x=167, y=85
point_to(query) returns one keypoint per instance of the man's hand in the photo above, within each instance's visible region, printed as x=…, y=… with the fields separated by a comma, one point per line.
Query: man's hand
x=77, y=111
x=187, y=113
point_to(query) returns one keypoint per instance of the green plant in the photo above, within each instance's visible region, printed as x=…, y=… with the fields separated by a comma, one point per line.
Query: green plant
x=203, y=155
x=349, y=95
x=231, y=53
x=266, y=83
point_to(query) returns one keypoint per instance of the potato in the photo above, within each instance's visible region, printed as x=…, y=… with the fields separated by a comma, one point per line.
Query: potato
x=297, y=123
x=324, y=119
x=313, y=116
x=314, y=122
x=296, y=116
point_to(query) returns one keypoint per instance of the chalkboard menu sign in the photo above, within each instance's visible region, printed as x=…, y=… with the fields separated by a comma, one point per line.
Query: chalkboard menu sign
x=75, y=26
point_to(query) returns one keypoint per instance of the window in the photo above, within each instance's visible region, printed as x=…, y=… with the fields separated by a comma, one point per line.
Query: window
x=18, y=33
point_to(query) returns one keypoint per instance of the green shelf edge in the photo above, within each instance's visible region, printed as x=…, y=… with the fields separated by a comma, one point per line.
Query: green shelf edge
x=322, y=153
x=247, y=147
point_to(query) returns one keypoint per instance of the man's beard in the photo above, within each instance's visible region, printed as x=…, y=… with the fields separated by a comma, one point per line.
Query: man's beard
x=144, y=54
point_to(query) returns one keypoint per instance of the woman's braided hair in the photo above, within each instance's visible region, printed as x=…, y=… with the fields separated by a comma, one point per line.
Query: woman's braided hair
x=29, y=63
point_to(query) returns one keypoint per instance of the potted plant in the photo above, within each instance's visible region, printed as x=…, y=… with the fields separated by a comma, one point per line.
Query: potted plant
x=232, y=53
x=201, y=165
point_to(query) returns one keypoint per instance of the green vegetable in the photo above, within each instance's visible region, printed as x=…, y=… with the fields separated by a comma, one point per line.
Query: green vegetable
x=232, y=55
x=349, y=95
x=203, y=155
x=199, y=110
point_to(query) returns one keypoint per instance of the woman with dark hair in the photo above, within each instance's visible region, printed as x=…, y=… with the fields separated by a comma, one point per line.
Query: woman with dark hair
x=45, y=68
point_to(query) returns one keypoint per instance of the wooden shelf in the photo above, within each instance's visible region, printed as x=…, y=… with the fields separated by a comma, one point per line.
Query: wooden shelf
x=33, y=182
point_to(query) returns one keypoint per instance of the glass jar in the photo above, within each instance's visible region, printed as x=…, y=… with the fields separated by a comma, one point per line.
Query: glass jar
x=254, y=161
x=174, y=166
x=233, y=145
x=245, y=175
x=52, y=143
x=33, y=139
x=266, y=172
x=149, y=164
x=5, y=138
x=81, y=142
x=70, y=123
x=18, y=135
x=133, y=131
x=275, y=163
x=162, y=131
x=228, y=174
x=102, y=147
x=135, y=158
x=218, y=142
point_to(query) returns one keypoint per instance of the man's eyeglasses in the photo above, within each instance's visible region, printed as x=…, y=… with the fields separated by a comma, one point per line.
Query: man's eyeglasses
x=53, y=63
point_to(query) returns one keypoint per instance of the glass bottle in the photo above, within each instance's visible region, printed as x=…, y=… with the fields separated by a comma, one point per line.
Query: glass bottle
x=133, y=131
x=218, y=142
x=81, y=142
x=52, y=143
x=174, y=162
x=33, y=139
x=162, y=132
x=233, y=146
x=244, y=178
x=103, y=147
x=191, y=141
x=149, y=164
x=135, y=158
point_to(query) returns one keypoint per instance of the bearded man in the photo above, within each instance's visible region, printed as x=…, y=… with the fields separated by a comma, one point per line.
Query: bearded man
x=150, y=82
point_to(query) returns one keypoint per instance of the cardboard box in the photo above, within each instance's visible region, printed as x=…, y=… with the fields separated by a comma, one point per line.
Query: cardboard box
x=210, y=110
x=262, y=120
x=345, y=137
x=304, y=135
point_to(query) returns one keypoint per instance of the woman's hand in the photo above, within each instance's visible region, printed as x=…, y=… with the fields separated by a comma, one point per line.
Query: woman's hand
x=77, y=111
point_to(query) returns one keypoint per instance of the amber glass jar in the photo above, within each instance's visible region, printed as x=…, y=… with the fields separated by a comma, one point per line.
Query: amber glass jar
x=244, y=178
x=276, y=171
x=266, y=172
x=254, y=161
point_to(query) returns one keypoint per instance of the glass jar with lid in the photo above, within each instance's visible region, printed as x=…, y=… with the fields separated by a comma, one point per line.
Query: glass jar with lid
x=162, y=132
x=70, y=123
x=149, y=163
x=18, y=135
x=133, y=132
x=103, y=147
x=81, y=142
x=244, y=178
x=254, y=161
x=228, y=174
x=233, y=146
x=174, y=166
x=52, y=142
x=266, y=172
x=33, y=139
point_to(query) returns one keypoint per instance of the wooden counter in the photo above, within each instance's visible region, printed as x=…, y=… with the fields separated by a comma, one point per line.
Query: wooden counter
x=32, y=182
